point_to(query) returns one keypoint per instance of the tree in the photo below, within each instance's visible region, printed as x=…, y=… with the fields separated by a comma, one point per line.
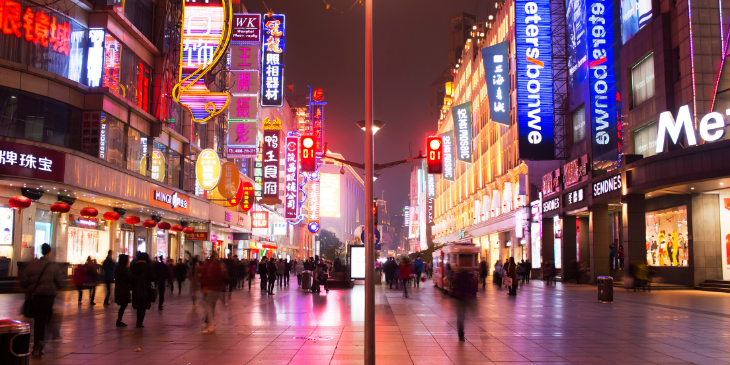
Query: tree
x=331, y=245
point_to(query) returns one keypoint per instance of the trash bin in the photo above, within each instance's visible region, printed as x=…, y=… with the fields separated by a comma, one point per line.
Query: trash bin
x=306, y=280
x=605, y=289
x=14, y=342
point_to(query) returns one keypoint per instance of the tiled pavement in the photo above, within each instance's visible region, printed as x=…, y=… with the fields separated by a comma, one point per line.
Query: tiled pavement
x=561, y=324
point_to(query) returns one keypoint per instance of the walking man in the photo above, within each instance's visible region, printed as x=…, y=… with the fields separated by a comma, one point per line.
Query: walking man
x=213, y=279
x=41, y=279
x=108, y=266
x=161, y=272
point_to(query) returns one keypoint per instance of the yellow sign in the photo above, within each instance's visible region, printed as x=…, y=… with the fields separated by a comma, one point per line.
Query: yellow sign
x=329, y=189
x=208, y=169
x=229, y=181
x=272, y=124
x=158, y=166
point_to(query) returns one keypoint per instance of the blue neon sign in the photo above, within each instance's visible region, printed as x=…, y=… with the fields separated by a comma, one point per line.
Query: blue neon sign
x=534, y=80
x=602, y=80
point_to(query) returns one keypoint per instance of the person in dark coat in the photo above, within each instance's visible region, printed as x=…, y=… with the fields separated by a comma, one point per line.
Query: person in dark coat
x=41, y=278
x=264, y=274
x=483, y=272
x=252, y=265
x=122, y=287
x=161, y=272
x=271, y=268
x=513, y=274
x=142, y=278
x=108, y=266
x=287, y=272
x=181, y=272
x=92, y=277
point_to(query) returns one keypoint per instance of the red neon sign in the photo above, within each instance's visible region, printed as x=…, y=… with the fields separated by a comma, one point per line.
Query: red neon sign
x=37, y=27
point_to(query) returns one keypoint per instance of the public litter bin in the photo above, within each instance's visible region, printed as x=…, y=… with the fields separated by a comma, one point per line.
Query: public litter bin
x=306, y=280
x=14, y=342
x=605, y=289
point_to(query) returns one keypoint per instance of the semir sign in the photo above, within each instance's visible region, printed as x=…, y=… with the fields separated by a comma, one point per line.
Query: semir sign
x=551, y=205
x=606, y=186
x=711, y=127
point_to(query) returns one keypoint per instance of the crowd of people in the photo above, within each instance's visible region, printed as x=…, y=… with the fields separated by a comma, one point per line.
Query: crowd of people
x=402, y=272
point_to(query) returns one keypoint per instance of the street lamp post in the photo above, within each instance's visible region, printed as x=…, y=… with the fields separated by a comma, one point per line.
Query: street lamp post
x=369, y=161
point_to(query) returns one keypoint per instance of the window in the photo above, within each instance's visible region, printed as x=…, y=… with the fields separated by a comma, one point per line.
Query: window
x=642, y=80
x=113, y=140
x=666, y=237
x=136, y=151
x=579, y=124
x=645, y=140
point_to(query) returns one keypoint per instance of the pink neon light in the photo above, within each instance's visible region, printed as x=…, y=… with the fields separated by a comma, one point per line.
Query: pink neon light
x=719, y=74
x=692, y=61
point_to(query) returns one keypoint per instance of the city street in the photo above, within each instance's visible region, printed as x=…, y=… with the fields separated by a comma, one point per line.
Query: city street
x=553, y=324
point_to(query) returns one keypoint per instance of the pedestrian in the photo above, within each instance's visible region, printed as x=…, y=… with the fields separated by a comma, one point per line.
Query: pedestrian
x=324, y=275
x=298, y=269
x=194, y=276
x=92, y=277
x=417, y=270
x=171, y=273
x=529, y=270
x=513, y=275
x=497, y=275
x=272, y=270
x=621, y=257
x=405, y=273
x=79, y=280
x=242, y=273
x=396, y=274
x=280, y=269
x=108, y=266
x=230, y=265
x=287, y=272
x=264, y=274
x=180, y=272
x=162, y=272
x=214, y=280
x=143, y=295
x=252, y=265
x=612, y=256
x=122, y=287
x=389, y=269
x=483, y=272
x=465, y=293
x=41, y=280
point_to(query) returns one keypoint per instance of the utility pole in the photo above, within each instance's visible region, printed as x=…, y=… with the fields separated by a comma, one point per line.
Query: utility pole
x=369, y=160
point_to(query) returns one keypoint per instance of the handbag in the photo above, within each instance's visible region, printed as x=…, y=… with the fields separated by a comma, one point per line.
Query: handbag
x=507, y=281
x=28, y=306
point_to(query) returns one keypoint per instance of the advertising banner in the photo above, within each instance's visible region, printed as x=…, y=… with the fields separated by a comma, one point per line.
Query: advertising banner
x=431, y=185
x=242, y=138
x=271, y=163
x=496, y=71
x=635, y=14
x=229, y=181
x=534, y=80
x=462, y=129
x=28, y=161
x=448, y=154
x=330, y=187
x=577, y=48
x=273, y=35
x=246, y=28
x=291, y=187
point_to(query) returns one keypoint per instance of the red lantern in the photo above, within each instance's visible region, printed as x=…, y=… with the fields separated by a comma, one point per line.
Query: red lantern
x=111, y=216
x=176, y=228
x=89, y=212
x=237, y=198
x=188, y=230
x=19, y=202
x=132, y=219
x=149, y=223
x=164, y=226
x=60, y=207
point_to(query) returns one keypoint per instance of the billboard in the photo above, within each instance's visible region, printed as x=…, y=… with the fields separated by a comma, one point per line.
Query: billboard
x=462, y=127
x=330, y=187
x=291, y=186
x=496, y=71
x=635, y=14
x=577, y=47
x=273, y=35
x=534, y=80
x=242, y=138
x=448, y=155
x=602, y=81
x=357, y=262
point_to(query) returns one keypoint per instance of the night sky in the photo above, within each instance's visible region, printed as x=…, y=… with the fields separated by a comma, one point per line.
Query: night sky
x=326, y=48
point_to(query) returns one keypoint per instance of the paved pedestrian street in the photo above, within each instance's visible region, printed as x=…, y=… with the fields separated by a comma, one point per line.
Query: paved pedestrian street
x=543, y=324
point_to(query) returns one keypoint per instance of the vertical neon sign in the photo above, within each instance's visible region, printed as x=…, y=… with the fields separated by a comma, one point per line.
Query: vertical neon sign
x=273, y=33
x=205, y=39
x=291, y=188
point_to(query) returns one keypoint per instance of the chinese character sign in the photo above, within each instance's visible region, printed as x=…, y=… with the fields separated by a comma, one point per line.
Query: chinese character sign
x=31, y=162
x=204, y=40
x=242, y=134
x=158, y=166
x=208, y=169
x=313, y=202
x=291, y=173
x=447, y=139
x=90, y=129
x=462, y=127
x=496, y=71
x=247, y=199
x=272, y=141
x=229, y=181
x=318, y=126
x=273, y=34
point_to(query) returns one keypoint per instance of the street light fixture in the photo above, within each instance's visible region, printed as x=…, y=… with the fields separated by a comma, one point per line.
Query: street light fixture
x=377, y=124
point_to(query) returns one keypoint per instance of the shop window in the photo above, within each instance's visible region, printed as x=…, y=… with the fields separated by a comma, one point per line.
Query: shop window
x=167, y=165
x=112, y=140
x=137, y=151
x=579, y=124
x=42, y=232
x=642, y=80
x=645, y=140
x=666, y=237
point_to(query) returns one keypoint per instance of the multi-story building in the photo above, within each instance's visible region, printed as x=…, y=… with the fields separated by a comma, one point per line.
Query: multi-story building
x=342, y=204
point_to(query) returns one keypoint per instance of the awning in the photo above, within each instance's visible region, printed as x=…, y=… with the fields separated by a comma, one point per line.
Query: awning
x=270, y=246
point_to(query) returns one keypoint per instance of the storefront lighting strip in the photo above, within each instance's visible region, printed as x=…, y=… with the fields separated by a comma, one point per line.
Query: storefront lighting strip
x=719, y=73
x=692, y=62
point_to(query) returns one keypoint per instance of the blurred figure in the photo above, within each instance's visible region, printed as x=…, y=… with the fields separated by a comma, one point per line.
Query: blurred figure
x=194, y=276
x=230, y=265
x=264, y=274
x=122, y=287
x=483, y=272
x=298, y=269
x=287, y=272
x=171, y=273
x=162, y=272
x=271, y=270
x=497, y=275
x=389, y=269
x=621, y=257
x=251, y=272
x=79, y=280
x=41, y=279
x=142, y=292
x=528, y=265
x=180, y=271
x=280, y=269
x=405, y=273
x=213, y=279
x=108, y=266
x=513, y=275
x=464, y=291
x=242, y=273
x=418, y=269
x=92, y=277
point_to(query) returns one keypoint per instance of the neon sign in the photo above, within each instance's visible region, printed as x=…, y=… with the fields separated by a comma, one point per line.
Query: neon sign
x=205, y=39
x=273, y=35
x=313, y=206
x=271, y=152
x=36, y=27
x=462, y=125
x=291, y=188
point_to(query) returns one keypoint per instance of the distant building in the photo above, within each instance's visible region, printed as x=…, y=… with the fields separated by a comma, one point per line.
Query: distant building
x=342, y=193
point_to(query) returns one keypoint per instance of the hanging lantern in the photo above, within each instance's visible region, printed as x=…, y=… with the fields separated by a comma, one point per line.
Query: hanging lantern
x=176, y=228
x=132, y=219
x=60, y=207
x=89, y=212
x=149, y=223
x=19, y=202
x=188, y=230
x=164, y=226
x=111, y=216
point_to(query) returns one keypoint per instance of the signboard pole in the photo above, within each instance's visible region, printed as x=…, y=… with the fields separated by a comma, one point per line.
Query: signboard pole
x=369, y=158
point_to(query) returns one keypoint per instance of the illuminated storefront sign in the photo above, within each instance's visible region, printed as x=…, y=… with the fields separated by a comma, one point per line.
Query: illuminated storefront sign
x=90, y=130
x=313, y=206
x=242, y=138
x=260, y=219
x=551, y=182
x=330, y=188
x=575, y=171
x=208, y=169
x=271, y=152
x=711, y=127
x=577, y=49
x=602, y=81
x=279, y=229
x=606, y=186
x=429, y=211
x=291, y=176
x=246, y=28
x=204, y=40
x=248, y=197
x=551, y=205
x=318, y=125
x=245, y=65
x=496, y=71
x=229, y=180
x=431, y=185
x=273, y=33
x=37, y=27
x=407, y=216
x=32, y=162
x=462, y=129
x=534, y=79
x=158, y=166
x=574, y=197
x=448, y=152
x=95, y=57
x=168, y=199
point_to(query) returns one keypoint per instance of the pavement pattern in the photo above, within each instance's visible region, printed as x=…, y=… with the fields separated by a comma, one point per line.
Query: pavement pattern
x=561, y=324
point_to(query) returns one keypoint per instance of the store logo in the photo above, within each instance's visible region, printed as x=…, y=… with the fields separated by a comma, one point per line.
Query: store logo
x=607, y=186
x=551, y=204
x=174, y=200
x=533, y=72
x=711, y=127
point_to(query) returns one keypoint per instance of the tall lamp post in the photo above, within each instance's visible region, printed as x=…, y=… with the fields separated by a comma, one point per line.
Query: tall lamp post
x=369, y=161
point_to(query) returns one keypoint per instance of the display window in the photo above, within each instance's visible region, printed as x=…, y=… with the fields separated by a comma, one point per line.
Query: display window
x=7, y=224
x=82, y=243
x=42, y=231
x=666, y=237
x=725, y=232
